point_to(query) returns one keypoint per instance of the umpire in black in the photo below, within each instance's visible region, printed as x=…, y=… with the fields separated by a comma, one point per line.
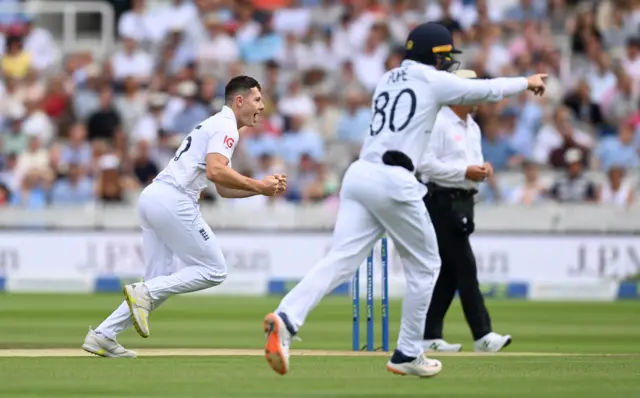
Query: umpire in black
x=453, y=167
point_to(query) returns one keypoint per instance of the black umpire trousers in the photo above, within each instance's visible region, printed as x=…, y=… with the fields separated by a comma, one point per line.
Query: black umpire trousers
x=451, y=212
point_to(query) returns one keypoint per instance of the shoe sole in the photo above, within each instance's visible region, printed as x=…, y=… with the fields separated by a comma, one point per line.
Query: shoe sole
x=100, y=352
x=401, y=373
x=272, y=349
x=131, y=303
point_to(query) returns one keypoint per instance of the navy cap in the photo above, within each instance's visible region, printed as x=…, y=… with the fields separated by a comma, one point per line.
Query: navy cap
x=427, y=40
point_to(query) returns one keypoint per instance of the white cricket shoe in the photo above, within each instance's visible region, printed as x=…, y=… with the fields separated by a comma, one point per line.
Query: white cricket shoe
x=139, y=300
x=97, y=344
x=421, y=367
x=440, y=345
x=276, y=349
x=492, y=342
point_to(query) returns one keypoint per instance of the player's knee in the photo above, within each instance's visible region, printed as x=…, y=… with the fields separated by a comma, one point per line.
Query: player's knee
x=216, y=275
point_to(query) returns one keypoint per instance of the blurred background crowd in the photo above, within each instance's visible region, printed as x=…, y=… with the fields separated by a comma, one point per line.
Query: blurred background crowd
x=81, y=129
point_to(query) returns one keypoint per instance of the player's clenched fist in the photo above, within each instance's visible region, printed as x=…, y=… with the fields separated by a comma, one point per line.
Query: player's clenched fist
x=272, y=185
x=283, y=181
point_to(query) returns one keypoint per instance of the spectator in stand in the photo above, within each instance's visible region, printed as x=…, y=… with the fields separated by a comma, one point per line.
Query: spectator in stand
x=353, y=125
x=631, y=64
x=561, y=135
x=616, y=190
x=73, y=189
x=574, y=185
x=583, y=30
x=219, y=48
x=618, y=150
x=144, y=168
x=109, y=185
x=37, y=123
x=192, y=113
x=150, y=125
x=621, y=101
x=496, y=148
x=105, y=123
x=14, y=140
x=15, y=62
x=296, y=102
x=86, y=99
x=368, y=63
x=140, y=24
x=132, y=104
x=327, y=116
x=56, y=104
x=259, y=142
x=600, y=77
x=39, y=43
x=581, y=105
x=131, y=61
x=532, y=191
x=76, y=149
x=32, y=193
x=297, y=142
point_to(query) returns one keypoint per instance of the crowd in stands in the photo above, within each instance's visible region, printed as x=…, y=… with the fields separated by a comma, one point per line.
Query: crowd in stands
x=77, y=129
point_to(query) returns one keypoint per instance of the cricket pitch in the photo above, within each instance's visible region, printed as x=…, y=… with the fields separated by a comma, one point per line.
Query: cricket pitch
x=208, y=352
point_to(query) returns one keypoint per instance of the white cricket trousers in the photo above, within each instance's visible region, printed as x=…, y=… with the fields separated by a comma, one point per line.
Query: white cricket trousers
x=376, y=198
x=171, y=225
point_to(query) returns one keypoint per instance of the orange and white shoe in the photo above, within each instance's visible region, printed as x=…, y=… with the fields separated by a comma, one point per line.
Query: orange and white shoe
x=276, y=349
x=420, y=366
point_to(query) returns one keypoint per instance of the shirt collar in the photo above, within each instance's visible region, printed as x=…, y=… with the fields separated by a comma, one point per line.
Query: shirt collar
x=228, y=113
x=452, y=115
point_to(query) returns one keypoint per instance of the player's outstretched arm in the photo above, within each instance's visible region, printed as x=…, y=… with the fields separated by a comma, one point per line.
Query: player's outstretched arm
x=219, y=172
x=453, y=90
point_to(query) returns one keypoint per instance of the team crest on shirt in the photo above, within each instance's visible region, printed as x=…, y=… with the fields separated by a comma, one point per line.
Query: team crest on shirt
x=204, y=234
x=229, y=141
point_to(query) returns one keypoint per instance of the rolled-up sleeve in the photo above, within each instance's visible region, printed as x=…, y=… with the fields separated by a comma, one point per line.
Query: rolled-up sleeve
x=453, y=90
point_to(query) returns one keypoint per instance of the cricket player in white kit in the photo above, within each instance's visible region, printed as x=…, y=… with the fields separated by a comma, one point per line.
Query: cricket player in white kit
x=380, y=193
x=172, y=223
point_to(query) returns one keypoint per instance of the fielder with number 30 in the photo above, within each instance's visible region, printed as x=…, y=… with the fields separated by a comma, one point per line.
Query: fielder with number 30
x=172, y=223
x=381, y=193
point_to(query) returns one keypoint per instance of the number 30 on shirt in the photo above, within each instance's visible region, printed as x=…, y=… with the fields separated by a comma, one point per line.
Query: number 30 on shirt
x=384, y=111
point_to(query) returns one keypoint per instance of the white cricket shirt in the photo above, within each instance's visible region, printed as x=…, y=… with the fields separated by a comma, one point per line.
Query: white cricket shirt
x=407, y=100
x=187, y=170
x=454, y=145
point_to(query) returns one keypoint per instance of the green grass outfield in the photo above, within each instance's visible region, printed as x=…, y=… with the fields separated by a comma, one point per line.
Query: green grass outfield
x=208, y=346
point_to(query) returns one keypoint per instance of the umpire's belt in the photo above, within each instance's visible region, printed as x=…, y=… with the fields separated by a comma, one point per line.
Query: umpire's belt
x=453, y=193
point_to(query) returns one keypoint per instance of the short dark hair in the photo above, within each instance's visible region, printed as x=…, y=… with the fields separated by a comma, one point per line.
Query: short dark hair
x=239, y=84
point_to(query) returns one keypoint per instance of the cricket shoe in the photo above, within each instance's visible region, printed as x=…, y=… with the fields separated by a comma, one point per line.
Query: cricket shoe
x=492, y=342
x=420, y=366
x=279, y=334
x=102, y=346
x=440, y=345
x=139, y=300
